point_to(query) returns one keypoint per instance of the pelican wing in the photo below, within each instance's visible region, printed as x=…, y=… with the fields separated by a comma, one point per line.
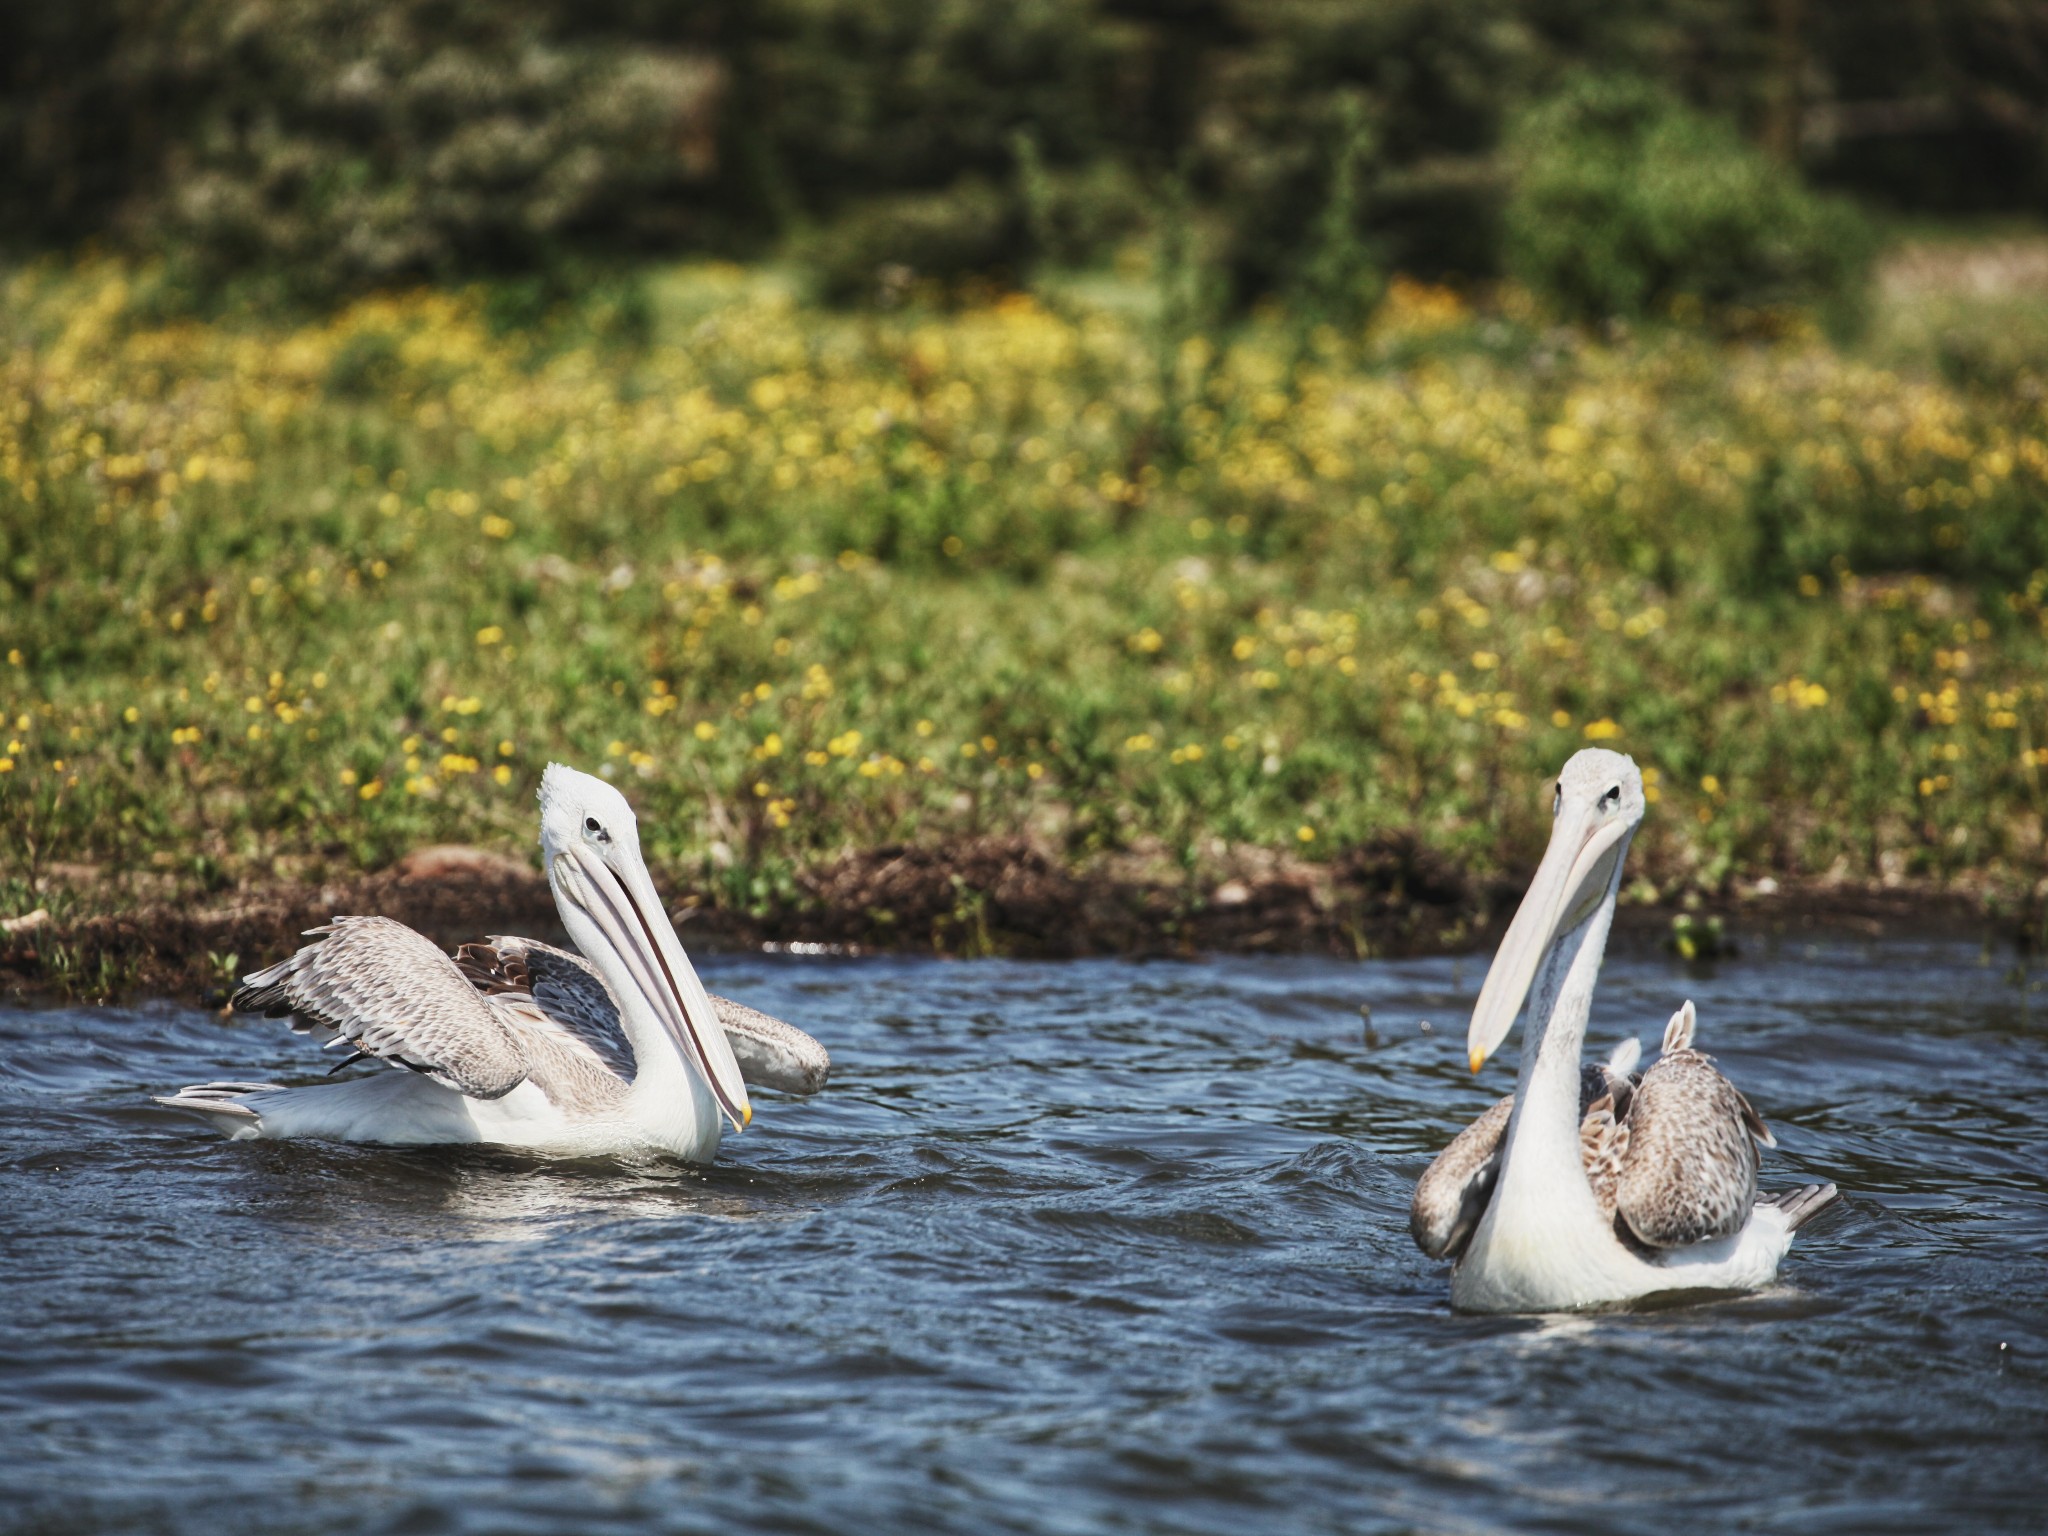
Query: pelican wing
x=563, y=986
x=772, y=1054
x=390, y=993
x=566, y=987
x=1452, y=1194
x=1688, y=1165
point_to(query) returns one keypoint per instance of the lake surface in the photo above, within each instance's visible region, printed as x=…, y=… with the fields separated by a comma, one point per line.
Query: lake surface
x=1098, y=1246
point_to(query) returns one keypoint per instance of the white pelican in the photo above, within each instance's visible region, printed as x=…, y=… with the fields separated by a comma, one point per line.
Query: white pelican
x=517, y=1043
x=1594, y=1186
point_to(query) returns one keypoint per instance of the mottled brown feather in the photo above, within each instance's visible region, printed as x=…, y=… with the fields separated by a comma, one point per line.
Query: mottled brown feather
x=1690, y=1169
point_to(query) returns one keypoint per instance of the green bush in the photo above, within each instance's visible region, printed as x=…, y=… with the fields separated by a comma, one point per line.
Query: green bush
x=328, y=145
x=1625, y=202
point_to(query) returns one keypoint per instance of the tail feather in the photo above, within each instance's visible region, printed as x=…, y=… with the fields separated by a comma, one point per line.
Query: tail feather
x=224, y=1105
x=1801, y=1205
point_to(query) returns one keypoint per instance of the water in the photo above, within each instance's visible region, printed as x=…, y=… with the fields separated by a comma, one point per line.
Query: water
x=1064, y=1247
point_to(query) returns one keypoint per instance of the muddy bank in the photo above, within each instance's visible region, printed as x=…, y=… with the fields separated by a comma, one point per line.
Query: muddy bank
x=993, y=896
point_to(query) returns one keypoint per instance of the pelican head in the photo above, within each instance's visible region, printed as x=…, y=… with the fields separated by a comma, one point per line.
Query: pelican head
x=590, y=844
x=1598, y=806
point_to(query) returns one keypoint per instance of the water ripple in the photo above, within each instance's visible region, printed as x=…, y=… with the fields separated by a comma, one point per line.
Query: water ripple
x=1101, y=1245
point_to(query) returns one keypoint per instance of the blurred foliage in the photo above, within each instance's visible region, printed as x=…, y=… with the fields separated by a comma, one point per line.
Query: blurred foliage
x=325, y=146
x=1628, y=203
x=284, y=597
x=329, y=145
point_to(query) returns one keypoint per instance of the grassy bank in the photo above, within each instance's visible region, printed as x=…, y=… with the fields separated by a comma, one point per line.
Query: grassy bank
x=284, y=601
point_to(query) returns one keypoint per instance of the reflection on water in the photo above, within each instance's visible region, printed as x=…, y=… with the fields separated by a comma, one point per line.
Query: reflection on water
x=1064, y=1247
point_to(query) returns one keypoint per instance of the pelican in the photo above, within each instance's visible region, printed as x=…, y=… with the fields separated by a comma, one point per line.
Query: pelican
x=1592, y=1186
x=618, y=1049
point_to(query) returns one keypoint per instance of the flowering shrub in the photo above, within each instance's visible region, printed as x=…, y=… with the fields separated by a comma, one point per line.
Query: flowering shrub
x=279, y=597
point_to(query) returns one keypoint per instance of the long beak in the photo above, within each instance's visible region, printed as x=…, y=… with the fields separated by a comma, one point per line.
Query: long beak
x=623, y=903
x=1572, y=880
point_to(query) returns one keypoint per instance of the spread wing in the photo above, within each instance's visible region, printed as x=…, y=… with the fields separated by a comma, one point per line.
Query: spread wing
x=390, y=993
x=568, y=989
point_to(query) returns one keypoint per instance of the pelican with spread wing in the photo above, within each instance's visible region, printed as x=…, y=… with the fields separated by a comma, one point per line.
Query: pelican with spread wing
x=1592, y=1185
x=618, y=1049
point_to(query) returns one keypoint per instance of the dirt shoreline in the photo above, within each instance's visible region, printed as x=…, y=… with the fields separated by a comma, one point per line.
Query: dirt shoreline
x=982, y=897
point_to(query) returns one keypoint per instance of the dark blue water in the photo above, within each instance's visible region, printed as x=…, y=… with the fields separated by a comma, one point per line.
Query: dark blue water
x=1082, y=1247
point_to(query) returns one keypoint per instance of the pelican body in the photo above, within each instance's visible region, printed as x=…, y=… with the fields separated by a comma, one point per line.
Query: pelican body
x=1594, y=1186
x=618, y=1049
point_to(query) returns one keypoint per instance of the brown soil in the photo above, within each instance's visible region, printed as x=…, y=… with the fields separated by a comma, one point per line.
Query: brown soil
x=1009, y=896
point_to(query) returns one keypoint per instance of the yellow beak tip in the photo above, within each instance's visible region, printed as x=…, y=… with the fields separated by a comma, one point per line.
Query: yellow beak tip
x=746, y=1115
x=1478, y=1060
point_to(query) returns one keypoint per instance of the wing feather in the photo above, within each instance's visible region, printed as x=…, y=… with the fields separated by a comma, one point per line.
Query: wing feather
x=563, y=986
x=391, y=993
x=568, y=989
x=1689, y=1168
x=1452, y=1194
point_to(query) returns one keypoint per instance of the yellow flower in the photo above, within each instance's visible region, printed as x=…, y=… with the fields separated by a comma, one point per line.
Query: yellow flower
x=1602, y=729
x=502, y=773
x=490, y=634
x=1305, y=834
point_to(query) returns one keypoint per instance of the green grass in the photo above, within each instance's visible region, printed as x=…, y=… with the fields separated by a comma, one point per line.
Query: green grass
x=284, y=600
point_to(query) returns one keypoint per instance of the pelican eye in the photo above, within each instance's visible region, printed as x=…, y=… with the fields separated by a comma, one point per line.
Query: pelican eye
x=590, y=825
x=1556, y=797
x=1612, y=798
